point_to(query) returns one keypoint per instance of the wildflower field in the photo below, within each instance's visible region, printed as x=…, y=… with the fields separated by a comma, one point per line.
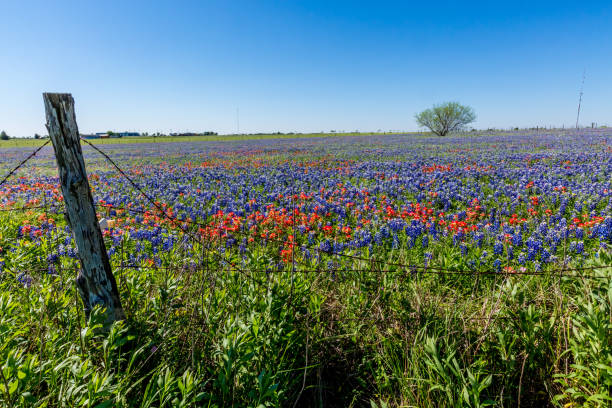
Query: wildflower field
x=395, y=270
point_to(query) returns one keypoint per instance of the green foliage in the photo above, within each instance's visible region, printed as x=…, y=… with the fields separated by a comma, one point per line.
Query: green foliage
x=446, y=117
x=458, y=385
x=4, y=136
x=151, y=138
x=219, y=338
x=588, y=382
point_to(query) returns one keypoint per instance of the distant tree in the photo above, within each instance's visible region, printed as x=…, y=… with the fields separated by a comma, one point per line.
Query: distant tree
x=445, y=118
x=36, y=136
x=4, y=136
x=110, y=133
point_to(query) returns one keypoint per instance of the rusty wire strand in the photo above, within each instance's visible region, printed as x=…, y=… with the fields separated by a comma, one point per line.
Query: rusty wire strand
x=24, y=161
x=426, y=269
x=413, y=268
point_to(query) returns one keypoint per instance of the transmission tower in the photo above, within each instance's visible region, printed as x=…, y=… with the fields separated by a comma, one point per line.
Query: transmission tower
x=580, y=97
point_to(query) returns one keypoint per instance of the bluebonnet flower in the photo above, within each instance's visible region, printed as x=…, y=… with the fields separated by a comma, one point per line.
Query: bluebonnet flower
x=432, y=230
x=378, y=238
x=230, y=242
x=479, y=236
x=542, y=228
x=25, y=280
x=396, y=224
x=498, y=248
x=517, y=239
x=325, y=246
x=395, y=242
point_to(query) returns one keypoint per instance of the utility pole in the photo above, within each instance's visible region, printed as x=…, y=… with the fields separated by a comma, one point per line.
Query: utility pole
x=580, y=97
x=95, y=281
x=237, y=121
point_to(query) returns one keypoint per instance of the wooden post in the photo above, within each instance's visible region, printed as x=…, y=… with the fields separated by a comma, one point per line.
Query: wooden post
x=95, y=281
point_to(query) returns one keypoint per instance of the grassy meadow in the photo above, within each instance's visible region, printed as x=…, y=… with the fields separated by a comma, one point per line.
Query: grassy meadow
x=299, y=271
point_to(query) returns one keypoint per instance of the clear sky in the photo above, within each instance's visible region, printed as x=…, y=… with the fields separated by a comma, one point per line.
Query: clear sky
x=302, y=65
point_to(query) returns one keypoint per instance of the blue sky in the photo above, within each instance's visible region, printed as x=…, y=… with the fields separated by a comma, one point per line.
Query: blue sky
x=302, y=65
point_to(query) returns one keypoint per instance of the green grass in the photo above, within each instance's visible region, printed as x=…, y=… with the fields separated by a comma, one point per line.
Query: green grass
x=239, y=137
x=205, y=334
x=219, y=337
x=173, y=139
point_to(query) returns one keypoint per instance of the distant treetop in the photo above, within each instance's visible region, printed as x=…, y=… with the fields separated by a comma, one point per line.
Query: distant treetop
x=446, y=117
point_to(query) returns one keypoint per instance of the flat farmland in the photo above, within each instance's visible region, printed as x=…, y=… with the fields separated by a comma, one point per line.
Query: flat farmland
x=353, y=270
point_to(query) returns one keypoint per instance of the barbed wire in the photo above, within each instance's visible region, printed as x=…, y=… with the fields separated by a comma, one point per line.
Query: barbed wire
x=370, y=315
x=426, y=269
x=413, y=268
x=363, y=317
x=429, y=269
x=24, y=161
x=29, y=208
x=173, y=220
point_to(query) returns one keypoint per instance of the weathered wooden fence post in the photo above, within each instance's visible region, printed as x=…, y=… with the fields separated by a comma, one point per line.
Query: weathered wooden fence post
x=95, y=281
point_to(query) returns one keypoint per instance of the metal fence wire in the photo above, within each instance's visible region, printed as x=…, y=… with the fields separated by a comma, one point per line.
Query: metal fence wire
x=184, y=226
x=261, y=277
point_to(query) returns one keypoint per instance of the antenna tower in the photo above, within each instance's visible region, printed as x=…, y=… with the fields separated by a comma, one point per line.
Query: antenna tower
x=580, y=98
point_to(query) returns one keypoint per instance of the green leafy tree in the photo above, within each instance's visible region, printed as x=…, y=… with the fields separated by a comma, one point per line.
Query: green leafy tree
x=4, y=136
x=445, y=118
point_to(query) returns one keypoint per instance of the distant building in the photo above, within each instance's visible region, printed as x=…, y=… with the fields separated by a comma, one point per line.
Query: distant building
x=106, y=135
x=194, y=134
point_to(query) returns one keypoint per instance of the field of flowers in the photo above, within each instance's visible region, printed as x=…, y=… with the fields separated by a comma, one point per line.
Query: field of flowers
x=397, y=270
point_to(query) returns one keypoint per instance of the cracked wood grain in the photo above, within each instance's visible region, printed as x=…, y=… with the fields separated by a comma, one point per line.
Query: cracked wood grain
x=95, y=281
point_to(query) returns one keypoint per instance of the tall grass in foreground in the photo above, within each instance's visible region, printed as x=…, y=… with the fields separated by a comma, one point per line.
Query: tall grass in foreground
x=369, y=338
